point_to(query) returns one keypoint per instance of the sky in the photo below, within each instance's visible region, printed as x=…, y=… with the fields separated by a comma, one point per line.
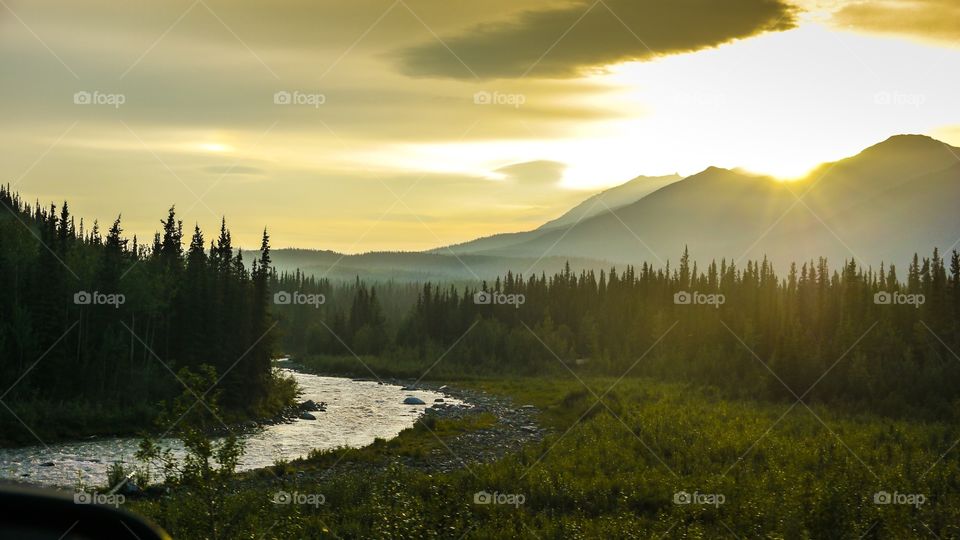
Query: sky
x=371, y=125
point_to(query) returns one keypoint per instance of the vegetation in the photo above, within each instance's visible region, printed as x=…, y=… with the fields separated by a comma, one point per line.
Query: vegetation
x=94, y=327
x=825, y=334
x=613, y=468
x=735, y=408
x=204, y=473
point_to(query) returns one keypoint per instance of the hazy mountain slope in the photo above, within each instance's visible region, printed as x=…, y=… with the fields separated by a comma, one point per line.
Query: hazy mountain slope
x=887, y=202
x=598, y=203
x=718, y=207
x=922, y=212
x=896, y=161
x=488, y=243
x=722, y=213
x=611, y=199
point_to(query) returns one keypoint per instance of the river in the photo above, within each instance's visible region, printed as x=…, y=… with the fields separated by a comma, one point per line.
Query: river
x=357, y=413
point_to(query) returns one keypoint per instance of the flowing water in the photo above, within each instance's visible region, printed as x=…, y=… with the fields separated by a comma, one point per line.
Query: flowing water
x=357, y=413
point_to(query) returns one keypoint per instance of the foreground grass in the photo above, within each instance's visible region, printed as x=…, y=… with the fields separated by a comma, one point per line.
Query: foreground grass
x=617, y=468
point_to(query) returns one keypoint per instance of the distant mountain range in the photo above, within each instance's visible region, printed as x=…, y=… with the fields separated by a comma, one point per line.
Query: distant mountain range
x=893, y=199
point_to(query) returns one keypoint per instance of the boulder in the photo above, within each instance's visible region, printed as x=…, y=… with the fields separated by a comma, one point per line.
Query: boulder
x=410, y=400
x=130, y=488
x=309, y=405
x=438, y=400
x=307, y=416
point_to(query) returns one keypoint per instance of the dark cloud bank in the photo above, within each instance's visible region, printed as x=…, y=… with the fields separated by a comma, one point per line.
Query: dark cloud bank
x=646, y=29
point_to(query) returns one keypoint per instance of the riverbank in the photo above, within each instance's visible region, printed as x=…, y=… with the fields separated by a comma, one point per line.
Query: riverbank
x=47, y=422
x=357, y=414
x=484, y=428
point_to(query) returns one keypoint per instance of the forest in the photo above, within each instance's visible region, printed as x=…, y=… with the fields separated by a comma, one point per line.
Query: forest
x=886, y=338
x=95, y=327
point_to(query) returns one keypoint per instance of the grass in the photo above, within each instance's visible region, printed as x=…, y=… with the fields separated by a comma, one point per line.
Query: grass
x=613, y=469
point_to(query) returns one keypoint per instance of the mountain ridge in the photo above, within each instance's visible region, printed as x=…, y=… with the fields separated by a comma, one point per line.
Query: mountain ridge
x=888, y=201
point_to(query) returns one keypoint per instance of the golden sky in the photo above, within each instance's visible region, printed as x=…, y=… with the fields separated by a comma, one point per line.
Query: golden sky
x=359, y=125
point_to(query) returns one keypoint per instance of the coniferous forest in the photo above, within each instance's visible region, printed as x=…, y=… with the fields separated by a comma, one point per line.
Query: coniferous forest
x=95, y=327
x=852, y=322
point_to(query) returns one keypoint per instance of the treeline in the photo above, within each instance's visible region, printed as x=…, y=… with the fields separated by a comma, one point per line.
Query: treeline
x=855, y=335
x=91, y=317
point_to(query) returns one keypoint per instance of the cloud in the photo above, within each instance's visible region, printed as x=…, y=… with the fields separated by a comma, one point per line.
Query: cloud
x=930, y=19
x=539, y=173
x=566, y=42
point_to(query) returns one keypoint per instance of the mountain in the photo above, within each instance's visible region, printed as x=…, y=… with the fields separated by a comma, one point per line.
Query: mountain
x=891, y=200
x=599, y=203
x=467, y=261
x=611, y=199
x=894, y=199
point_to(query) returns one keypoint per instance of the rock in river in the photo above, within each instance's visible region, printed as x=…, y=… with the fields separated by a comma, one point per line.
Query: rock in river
x=309, y=405
x=410, y=400
x=307, y=416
